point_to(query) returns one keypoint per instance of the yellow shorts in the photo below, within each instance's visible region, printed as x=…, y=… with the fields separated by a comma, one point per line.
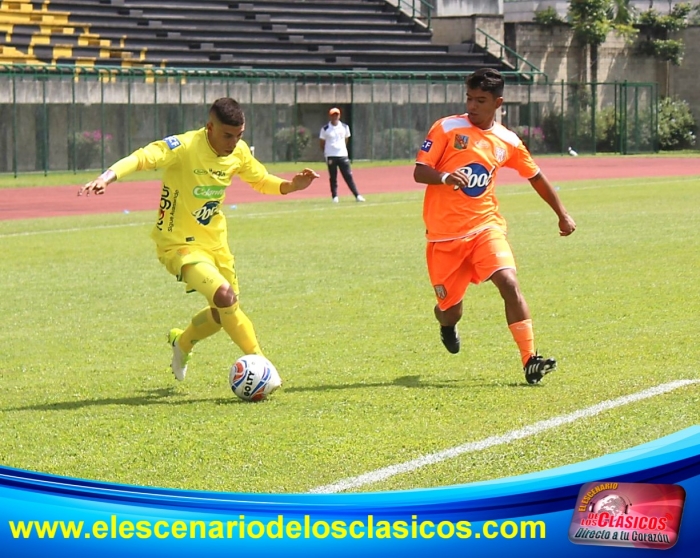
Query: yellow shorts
x=453, y=264
x=175, y=257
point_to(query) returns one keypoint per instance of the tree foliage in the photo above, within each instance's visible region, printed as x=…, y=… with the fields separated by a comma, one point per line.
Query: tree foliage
x=590, y=20
x=658, y=29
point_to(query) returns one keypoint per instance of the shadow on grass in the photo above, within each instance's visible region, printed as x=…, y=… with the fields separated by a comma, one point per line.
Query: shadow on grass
x=162, y=396
x=402, y=381
x=171, y=395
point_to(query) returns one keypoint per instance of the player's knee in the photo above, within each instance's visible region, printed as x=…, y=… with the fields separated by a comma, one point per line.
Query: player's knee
x=215, y=315
x=508, y=285
x=224, y=297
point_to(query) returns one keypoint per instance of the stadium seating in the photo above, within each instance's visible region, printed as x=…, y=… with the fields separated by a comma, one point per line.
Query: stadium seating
x=247, y=34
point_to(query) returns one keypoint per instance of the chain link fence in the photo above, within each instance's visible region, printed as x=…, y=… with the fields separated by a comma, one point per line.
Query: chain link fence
x=76, y=119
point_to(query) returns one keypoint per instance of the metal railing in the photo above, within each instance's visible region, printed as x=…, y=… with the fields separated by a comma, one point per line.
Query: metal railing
x=507, y=55
x=419, y=10
x=110, y=73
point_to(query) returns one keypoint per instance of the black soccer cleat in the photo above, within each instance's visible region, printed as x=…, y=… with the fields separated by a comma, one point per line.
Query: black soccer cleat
x=450, y=338
x=538, y=367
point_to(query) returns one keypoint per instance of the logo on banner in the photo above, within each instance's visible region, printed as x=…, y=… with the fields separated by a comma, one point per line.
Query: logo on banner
x=634, y=515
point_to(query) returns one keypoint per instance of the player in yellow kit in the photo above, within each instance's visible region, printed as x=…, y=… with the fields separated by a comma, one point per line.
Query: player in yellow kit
x=190, y=231
x=466, y=233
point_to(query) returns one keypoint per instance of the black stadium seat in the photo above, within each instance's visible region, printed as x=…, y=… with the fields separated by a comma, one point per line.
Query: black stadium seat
x=259, y=34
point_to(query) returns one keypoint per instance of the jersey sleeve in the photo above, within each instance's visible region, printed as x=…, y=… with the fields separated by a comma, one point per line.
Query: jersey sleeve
x=522, y=161
x=255, y=174
x=433, y=147
x=156, y=155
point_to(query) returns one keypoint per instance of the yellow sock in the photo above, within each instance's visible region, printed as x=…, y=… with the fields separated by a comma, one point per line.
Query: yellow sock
x=206, y=279
x=240, y=329
x=525, y=338
x=201, y=327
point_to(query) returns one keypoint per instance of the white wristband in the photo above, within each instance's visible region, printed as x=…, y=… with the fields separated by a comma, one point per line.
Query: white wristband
x=443, y=177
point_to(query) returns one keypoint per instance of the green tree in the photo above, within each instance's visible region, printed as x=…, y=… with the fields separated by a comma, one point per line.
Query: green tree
x=658, y=30
x=590, y=20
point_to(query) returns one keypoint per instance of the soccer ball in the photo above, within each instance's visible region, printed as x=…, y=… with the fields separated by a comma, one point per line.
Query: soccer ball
x=253, y=378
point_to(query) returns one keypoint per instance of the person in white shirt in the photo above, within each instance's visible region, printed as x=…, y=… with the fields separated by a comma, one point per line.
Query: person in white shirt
x=334, y=138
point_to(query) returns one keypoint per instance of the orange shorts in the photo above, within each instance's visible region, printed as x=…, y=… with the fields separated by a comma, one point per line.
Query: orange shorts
x=453, y=264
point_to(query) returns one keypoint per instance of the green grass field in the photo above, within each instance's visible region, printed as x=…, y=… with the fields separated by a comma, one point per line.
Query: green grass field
x=342, y=305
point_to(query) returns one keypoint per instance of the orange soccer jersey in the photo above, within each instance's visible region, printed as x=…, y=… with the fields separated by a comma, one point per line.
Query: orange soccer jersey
x=453, y=143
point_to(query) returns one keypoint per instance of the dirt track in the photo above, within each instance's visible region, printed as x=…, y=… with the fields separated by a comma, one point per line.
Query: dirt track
x=29, y=203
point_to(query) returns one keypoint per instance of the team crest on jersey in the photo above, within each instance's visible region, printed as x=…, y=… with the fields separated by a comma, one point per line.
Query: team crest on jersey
x=461, y=141
x=500, y=154
x=172, y=142
x=427, y=144
x=440, y=291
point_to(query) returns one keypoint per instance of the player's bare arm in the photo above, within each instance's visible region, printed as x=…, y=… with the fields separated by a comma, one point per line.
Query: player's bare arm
x=99, y=185
x=301, y=181
x=425, y=174
x=545, y=190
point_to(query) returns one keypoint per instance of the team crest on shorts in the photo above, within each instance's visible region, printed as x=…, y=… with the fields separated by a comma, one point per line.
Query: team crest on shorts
x=440, y=291
x=461, y=141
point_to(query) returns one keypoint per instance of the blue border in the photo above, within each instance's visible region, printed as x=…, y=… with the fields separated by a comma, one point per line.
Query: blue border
x=547, y=496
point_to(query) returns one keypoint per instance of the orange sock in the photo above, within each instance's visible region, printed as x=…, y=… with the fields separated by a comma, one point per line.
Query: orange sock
x=524, y=337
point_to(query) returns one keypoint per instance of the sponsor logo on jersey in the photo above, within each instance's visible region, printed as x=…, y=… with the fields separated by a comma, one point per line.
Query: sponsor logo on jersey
x=165, y=205
x=461, y=141
x=218, y=173
x=208, y=192
x=482, y=144
x=479, y=179
x=200, y=171
x=427, y=144
x=172, y=142
x=205, y=213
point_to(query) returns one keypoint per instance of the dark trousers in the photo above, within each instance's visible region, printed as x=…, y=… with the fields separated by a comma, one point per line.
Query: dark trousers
x=342, y=163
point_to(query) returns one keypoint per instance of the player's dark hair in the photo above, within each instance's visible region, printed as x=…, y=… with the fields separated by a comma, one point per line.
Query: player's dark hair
x=487, y=79
x=228, y=111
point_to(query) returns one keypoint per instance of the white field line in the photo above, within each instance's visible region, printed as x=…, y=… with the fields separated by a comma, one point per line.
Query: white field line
x=75, y=229
x=532, y=430
x=317, y=208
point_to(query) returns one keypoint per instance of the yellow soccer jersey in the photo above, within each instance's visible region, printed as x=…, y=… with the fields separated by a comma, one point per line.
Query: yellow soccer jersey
x=194, y=184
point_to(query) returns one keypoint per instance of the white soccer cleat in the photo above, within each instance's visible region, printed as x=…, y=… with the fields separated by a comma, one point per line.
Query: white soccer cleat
x=360, y=199
x=180, y=359
x=335, y=199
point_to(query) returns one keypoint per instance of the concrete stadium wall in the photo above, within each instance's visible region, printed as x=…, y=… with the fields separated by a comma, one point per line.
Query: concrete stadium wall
x=685, y=80
x=555, y=51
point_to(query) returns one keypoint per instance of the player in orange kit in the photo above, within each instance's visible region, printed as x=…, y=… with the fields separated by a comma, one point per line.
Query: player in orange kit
x=466, y=234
